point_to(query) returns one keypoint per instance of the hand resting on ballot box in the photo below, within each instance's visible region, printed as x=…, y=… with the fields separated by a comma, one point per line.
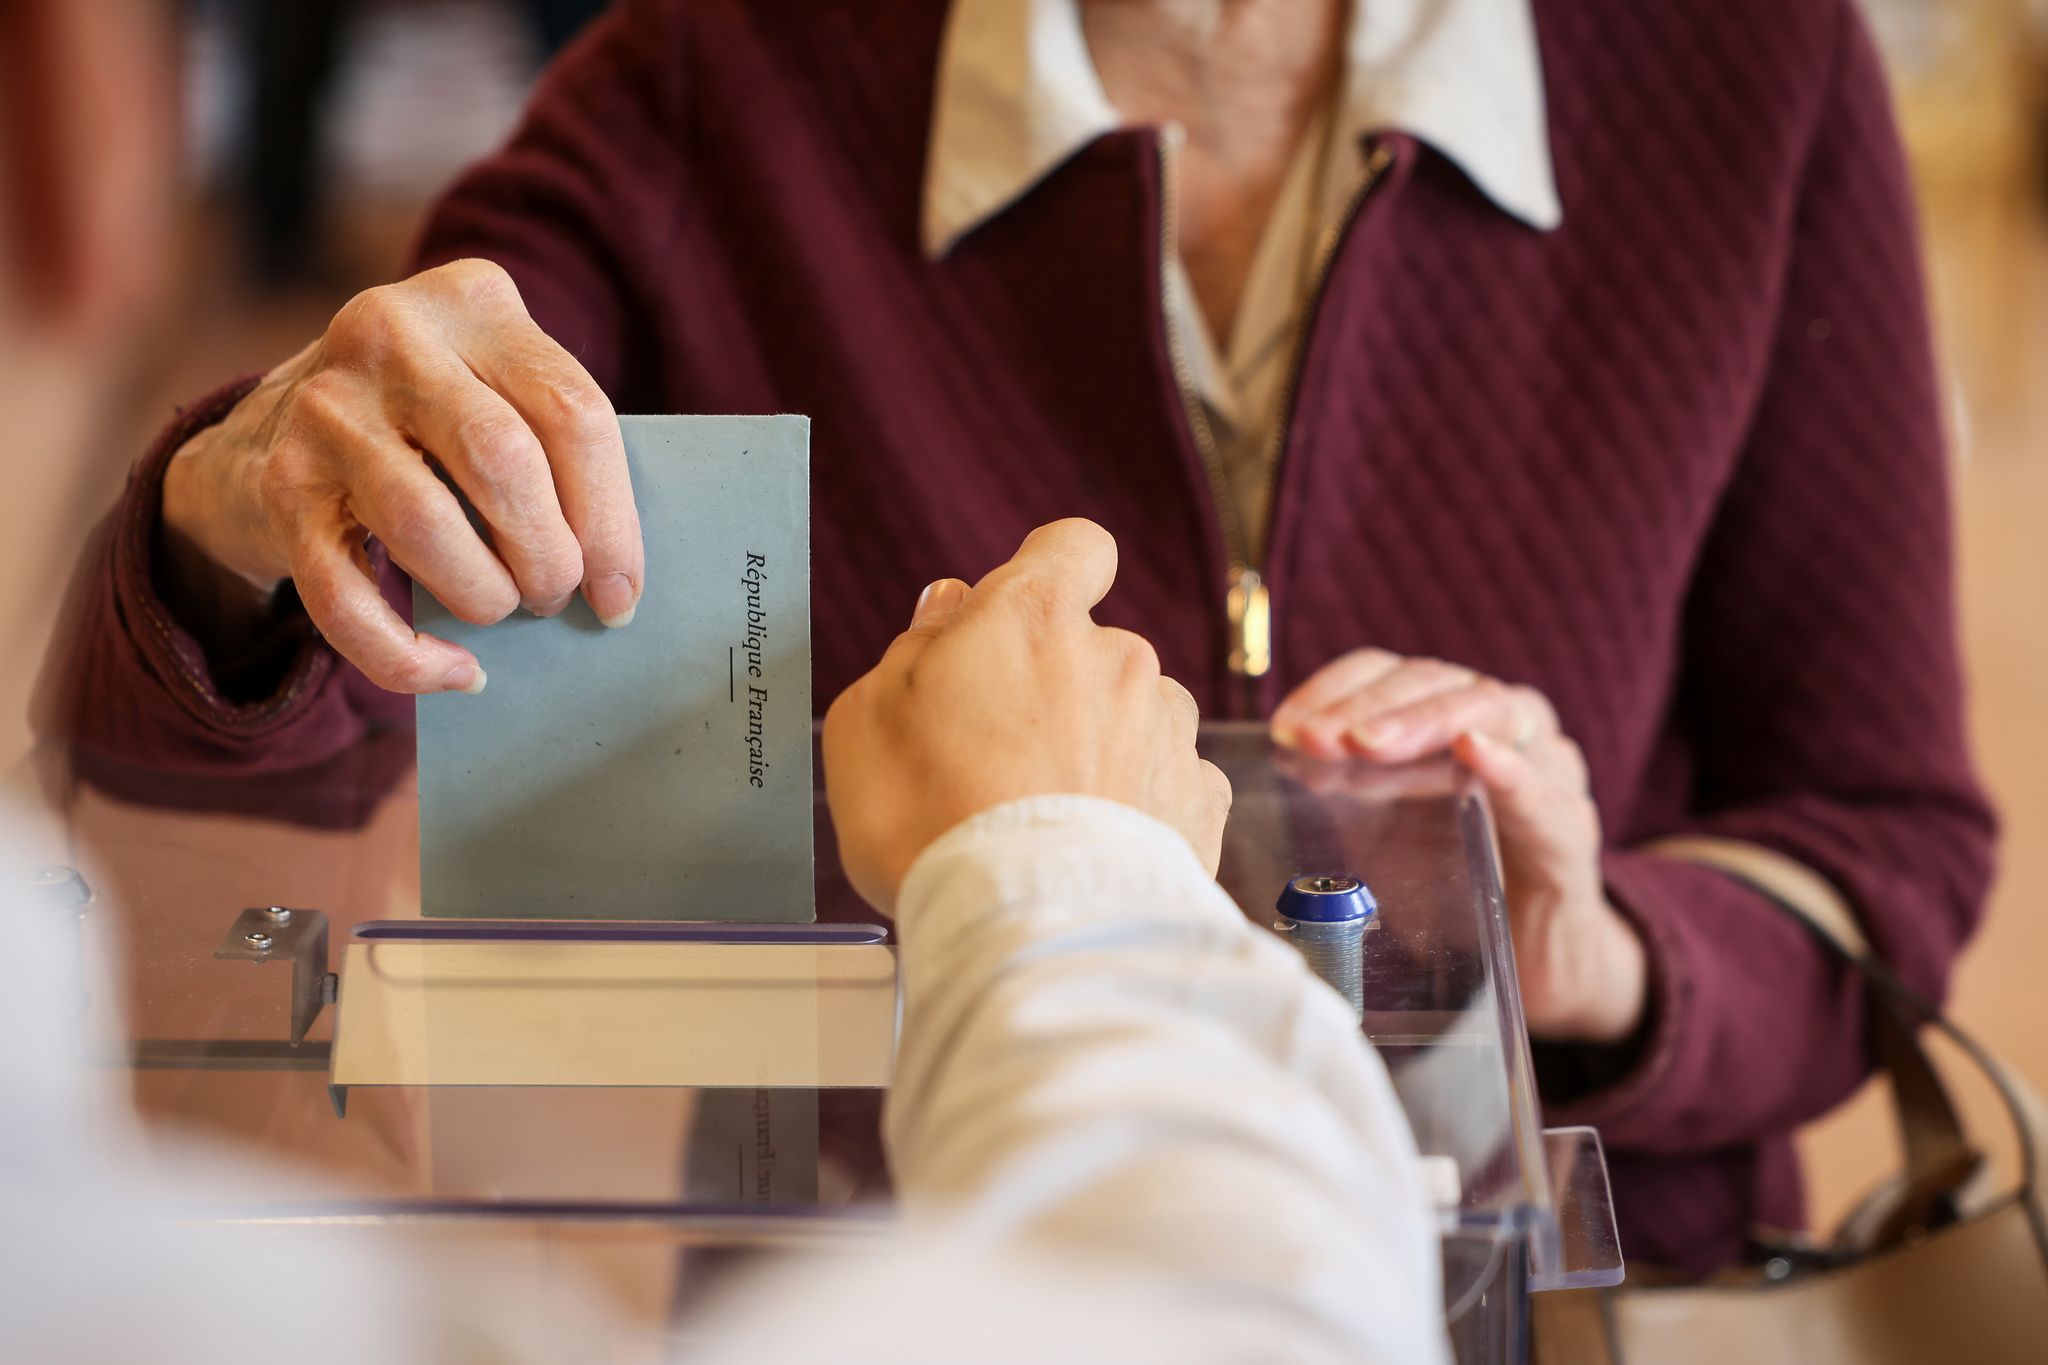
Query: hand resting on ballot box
x=1583, y=969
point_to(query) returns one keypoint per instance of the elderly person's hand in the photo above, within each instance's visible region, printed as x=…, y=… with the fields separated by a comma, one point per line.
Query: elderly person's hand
x=1009, y=690
x=1581, y=963
x=341, y=442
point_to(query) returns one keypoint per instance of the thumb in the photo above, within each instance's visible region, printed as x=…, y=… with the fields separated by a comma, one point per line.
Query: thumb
x=936, y=605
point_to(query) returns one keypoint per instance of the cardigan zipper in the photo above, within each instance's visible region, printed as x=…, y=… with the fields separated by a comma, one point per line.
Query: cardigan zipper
x=1247, y=606
x=1376, y=162
x=1245, y=597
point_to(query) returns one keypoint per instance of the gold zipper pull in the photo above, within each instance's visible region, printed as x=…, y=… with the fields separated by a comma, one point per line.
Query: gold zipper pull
x=1251, y=624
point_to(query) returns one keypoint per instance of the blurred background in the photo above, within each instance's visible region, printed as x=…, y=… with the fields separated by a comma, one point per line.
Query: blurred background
x=316, y=131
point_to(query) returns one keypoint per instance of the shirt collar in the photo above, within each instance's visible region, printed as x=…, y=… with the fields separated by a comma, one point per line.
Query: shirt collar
x=1017, y=95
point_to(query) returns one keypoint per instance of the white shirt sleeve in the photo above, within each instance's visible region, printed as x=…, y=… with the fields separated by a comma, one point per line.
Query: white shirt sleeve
x=1127, y=1126
x=1101, y=1056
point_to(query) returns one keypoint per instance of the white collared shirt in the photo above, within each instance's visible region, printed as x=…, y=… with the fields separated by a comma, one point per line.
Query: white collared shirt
x=1018, y=94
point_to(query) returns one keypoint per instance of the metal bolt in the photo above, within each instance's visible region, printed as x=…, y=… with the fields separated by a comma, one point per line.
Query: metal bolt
x=258, y=940
x=1325, y=917
x=1334, y=952
x=277, y=914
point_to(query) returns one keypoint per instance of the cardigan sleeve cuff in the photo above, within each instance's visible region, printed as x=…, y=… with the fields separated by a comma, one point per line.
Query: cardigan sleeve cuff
x=1671, y=906
x=1731, y=978
x=290, y=661
x=1618, y=1087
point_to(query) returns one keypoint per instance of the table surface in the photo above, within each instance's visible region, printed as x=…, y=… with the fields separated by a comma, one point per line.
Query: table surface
x=174, y=865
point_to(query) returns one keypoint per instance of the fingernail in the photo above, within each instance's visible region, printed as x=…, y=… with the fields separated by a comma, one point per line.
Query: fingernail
x=468, y=678
x=554, y=608
x=1482, y=741
x=937, y=599
x=1284, y=735
x=611, y=597
x=1380, y=734
x=1320, y=741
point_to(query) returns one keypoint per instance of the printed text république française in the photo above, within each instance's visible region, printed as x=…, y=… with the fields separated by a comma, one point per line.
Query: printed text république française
x=753, y=645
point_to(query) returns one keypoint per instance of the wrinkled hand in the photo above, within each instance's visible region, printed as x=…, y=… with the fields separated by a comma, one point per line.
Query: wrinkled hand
x=1582, y=967
x=335, y=446
x=1010, y=690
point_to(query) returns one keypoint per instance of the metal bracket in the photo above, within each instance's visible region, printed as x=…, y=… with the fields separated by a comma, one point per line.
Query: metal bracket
x=273, y=933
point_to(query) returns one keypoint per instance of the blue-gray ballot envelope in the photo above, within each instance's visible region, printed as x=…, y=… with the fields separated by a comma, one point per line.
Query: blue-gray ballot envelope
x=661, y=770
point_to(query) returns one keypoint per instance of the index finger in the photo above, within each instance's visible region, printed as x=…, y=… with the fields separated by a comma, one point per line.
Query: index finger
x=1066, y=565
x=343, y=601
x=1516, y=716
x=574, y=422
x=1331, y=683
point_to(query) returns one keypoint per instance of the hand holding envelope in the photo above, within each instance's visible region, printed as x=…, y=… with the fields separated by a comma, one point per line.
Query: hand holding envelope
x=1010, y=690
x=420, y=390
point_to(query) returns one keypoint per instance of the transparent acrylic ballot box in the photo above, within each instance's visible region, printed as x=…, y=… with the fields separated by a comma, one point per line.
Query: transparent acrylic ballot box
x=638, y=1105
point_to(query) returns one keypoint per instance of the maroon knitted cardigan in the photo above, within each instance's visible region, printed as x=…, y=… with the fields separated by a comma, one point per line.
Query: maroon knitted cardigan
x=1678, y=464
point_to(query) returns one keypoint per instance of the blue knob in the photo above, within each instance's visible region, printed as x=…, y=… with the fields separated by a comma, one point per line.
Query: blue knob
x=1327, y=900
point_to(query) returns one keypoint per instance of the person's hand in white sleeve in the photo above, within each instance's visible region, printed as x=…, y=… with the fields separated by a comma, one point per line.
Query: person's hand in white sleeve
x=1103, y=1062
x=1010, y=690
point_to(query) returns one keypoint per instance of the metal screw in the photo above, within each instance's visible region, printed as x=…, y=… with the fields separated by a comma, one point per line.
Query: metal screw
x=1777, y=1268
x=1334, y=952
x=258, y=940
x=1325, y=915
x=277, y=914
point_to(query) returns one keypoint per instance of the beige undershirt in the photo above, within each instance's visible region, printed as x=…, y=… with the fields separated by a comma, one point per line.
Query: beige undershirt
x=1018, y=94
x=1242, y=384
